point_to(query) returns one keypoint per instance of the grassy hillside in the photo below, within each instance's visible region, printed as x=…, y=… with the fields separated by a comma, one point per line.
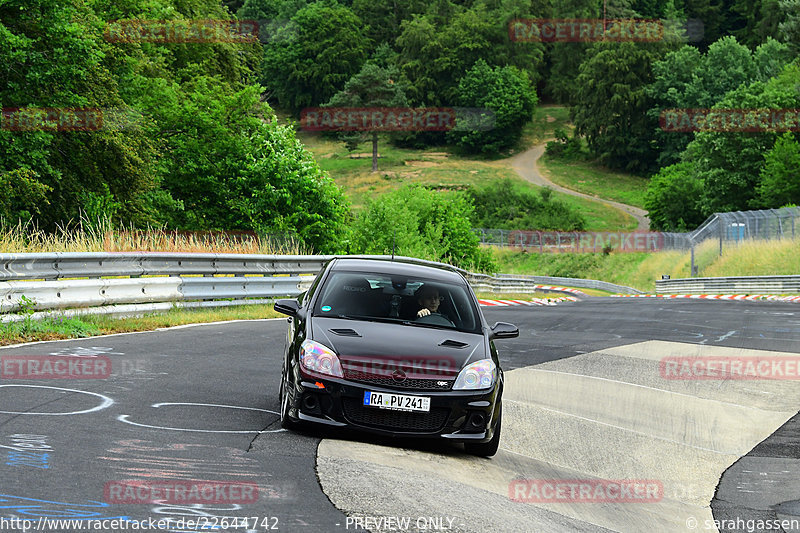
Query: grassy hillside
x=437, y=168
x=589, y=178
x=640, y=270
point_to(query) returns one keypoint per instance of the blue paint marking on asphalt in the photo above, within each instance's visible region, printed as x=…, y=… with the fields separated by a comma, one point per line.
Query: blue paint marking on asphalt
x=32, y=507
x=32, y=459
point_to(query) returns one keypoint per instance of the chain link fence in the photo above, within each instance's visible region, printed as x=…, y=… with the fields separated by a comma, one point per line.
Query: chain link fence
x=732, y=227
x=738, y=226
x=727, y=228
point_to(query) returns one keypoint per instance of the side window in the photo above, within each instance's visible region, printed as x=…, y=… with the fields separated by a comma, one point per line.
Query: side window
x=306, y=297
x=464, y=310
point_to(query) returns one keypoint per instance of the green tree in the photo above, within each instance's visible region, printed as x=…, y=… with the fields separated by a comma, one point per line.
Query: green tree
x=780, y=176
x=712, y=14
x=69, y=164
x=789, y=28
x=730, y=163
x=673, y=199
x=373, y=86
x=760, y=20
x=418, y=222
x=612, y=103
x=564, y=59
x=672, y=78
x=23, y=196
x=504, y=90
x=311, y=59
x=687, y=78
x=438, y=48
x=267, y=11
x=238, y=169
x=384, y=17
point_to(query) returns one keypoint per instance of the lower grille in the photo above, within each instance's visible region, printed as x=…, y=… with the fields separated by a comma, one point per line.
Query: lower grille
x=398, y=420
x=436, y=383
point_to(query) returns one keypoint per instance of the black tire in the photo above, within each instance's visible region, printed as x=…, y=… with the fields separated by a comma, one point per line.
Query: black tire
x=486, y=449
x=286, y=422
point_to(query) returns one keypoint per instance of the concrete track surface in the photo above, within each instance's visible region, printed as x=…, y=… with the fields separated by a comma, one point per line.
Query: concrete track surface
x=605, y=415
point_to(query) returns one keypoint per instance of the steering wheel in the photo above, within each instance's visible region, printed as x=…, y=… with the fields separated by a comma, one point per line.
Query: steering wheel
x=436, y=319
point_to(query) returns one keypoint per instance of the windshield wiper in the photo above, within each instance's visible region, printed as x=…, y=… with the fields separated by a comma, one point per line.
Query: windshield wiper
x=434, y=326
x=365, y=318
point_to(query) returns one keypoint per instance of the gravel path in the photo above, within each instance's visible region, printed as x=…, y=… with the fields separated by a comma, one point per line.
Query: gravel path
x=525, y=164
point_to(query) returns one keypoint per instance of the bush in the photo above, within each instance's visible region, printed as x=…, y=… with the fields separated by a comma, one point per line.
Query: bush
x=673, y=199
x=417, y=222
x=501, y=206
x=564, y=147
x=508, y=93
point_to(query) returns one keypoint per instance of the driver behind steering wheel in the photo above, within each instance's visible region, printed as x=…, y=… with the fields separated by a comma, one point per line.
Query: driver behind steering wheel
x=428, y=299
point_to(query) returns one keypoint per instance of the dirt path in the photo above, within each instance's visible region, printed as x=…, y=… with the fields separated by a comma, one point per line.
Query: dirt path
x=525, y=164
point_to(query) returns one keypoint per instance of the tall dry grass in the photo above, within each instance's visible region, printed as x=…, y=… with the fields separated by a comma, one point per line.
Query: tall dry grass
x=102, y=236
x=749, y=258
x=756, y=258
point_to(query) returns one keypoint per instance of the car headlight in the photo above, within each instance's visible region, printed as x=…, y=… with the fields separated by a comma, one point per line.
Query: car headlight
x=318, y=358
x=478, y=375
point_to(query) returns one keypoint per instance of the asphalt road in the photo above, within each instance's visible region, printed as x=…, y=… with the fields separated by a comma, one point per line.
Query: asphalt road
x=199, y=404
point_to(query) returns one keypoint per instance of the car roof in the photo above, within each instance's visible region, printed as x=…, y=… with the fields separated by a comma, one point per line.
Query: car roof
x=399, y=266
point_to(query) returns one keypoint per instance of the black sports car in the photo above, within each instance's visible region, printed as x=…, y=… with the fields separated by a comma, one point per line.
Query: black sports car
x=394, y=347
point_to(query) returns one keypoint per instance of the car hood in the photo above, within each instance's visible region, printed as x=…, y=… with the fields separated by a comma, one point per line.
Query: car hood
x=379, y=349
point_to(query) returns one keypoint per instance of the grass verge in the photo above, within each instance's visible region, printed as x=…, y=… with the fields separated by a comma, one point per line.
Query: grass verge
x=641, y=270
x=546, y=119
x=59, y=327
x=596, y=180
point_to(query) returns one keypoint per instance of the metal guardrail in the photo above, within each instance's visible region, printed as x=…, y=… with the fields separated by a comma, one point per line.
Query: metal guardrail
x=120, y=283
x=58, y=265
x=730, y=285
x=99, y=281
x=573, y=282
x=137, y=282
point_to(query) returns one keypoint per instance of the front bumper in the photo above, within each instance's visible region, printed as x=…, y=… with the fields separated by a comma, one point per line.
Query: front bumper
x=460, y=416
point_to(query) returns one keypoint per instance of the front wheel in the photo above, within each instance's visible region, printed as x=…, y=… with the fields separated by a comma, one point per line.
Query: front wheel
x=486, y=449
x=286, y=422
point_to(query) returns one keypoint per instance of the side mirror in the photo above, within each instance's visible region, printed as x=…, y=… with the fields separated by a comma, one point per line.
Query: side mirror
x=287, y=306
x=504, y=330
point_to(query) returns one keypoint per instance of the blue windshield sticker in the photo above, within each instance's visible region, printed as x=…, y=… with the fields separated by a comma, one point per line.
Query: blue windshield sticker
x=326, y=308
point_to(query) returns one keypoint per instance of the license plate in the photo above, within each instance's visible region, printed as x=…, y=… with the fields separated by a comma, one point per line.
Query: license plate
x=397, y=402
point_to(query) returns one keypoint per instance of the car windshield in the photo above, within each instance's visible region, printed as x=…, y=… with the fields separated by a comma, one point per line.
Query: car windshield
x=403, y=299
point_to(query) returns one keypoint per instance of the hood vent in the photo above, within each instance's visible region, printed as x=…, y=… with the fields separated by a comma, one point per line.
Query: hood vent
x=453, y=344
x=345, y=332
